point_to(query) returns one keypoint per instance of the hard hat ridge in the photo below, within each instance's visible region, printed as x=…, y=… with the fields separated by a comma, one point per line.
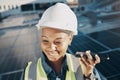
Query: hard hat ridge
x=59, y=16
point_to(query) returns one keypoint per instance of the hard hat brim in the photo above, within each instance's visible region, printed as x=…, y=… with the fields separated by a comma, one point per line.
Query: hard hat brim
x=55, y=25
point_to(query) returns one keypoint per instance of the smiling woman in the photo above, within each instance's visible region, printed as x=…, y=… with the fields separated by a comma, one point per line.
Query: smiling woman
x=58, y=25
x=54, y=46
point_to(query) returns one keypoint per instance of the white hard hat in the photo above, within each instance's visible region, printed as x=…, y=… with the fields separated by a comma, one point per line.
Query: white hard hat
x=59, y=16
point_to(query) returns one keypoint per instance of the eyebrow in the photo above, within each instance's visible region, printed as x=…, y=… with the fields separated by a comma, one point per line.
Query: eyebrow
x=45, y=36
x=56, y=38
x=59, y=38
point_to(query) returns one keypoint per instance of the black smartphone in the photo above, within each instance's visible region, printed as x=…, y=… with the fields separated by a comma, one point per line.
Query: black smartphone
x=103, y=57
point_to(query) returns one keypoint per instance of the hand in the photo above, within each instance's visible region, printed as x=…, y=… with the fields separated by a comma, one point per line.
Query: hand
x=89, y=63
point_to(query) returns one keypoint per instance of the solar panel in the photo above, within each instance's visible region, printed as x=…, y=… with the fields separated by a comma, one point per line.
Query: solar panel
x=111, y=68
x=17, y=47
x=116, y=30
x=14, y=76
x=83, y=43
x=105, y=37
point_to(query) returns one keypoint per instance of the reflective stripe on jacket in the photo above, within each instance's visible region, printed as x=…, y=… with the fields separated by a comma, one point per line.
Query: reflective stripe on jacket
x=74, y=72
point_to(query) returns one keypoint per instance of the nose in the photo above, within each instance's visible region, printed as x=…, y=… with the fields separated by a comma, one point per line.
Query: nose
x=52, y=46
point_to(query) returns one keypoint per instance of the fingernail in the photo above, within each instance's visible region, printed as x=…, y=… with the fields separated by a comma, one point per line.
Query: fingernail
x=96, y=55
x=81, y=55
x=88, y=51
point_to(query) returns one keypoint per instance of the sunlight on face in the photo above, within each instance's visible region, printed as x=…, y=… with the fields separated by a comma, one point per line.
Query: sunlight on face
x=54, y=43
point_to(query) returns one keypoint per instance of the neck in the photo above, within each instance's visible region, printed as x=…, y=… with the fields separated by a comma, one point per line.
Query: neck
x=57, y=65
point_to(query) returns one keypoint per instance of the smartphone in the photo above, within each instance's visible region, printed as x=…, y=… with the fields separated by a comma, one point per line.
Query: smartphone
x=103, y=57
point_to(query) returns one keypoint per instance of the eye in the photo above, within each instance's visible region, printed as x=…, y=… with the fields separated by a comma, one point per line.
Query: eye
x=45, y=41
x=58, y=42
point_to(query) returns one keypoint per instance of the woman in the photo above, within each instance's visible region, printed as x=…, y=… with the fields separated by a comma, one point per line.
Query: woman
x=58, y=25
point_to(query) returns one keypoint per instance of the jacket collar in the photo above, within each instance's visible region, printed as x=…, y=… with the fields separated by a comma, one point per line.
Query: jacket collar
x=48, y=68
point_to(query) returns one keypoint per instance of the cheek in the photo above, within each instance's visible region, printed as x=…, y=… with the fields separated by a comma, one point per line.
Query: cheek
x=63, y=48
x=42, y=46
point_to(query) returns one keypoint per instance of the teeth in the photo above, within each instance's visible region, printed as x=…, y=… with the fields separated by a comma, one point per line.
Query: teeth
x=53, y=54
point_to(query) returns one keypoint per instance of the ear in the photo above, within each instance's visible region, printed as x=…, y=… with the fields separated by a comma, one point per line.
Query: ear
x=70, y=39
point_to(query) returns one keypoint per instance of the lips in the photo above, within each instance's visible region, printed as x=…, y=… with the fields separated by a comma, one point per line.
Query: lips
x=52, y=54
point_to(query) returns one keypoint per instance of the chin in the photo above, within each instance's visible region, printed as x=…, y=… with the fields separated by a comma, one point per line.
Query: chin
x=53, y=60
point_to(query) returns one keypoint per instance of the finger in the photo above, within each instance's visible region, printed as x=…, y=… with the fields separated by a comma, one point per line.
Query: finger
x=97, y=59
x=90, y=58
x=89, y=55
x=84, y=61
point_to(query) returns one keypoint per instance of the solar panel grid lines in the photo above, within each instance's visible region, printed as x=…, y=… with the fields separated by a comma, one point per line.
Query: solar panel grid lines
x=82, y=43
x=115, y=33
x=102, y=68
x=111, y=67
x=91, y=45
x=106, y=51
x=14, y=61
x=74, y=49
x=98, y=42
x=77, y=46
x=7, y=64
x=77, y=43
x=10, y=33
x=11, y=46
x=114, y=77
x=116, y=56
x=111, y=40
x=12, y=76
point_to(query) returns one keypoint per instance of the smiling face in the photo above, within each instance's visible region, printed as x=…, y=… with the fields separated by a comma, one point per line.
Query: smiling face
x=54, y=43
